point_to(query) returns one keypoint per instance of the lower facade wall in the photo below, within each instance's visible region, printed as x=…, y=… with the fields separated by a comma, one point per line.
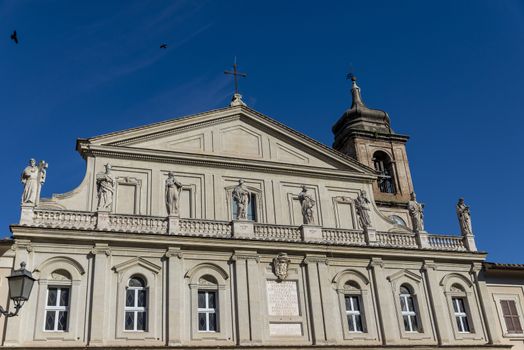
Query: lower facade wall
x=259, y=297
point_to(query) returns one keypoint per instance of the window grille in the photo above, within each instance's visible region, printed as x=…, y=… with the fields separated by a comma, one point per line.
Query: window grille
x=461, y=316
x=57, y=309
x=407, y=307
x=136, y=305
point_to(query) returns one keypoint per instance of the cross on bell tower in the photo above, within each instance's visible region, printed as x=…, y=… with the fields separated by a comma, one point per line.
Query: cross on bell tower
x=237, y=97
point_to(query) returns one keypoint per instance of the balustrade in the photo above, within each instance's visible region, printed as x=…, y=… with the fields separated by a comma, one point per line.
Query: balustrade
x=223, y=229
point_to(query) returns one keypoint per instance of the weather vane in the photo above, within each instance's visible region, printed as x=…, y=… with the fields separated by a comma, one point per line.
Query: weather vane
x=235, y=73
x=350, y=75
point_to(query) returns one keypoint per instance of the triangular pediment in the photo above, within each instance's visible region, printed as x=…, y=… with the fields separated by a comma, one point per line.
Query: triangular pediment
x=235, y=132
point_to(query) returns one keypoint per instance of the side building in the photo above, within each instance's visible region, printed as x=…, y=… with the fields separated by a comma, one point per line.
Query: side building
x=229, y=229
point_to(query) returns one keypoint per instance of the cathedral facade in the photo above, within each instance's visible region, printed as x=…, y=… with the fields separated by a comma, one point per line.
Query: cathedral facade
x=229, y=229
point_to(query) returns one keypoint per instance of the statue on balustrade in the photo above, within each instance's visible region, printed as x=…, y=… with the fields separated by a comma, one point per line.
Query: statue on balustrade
x=464, y=217
x=362, y=206
x=241, y=199
x=173, y=190
x=33, y=177
x=307, y=203
x=105, y=187
x=416, y=211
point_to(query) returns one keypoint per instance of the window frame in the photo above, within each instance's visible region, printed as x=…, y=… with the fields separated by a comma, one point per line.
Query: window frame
x=353, y=282
x=517, y=298
x=517, y=316
x=354, y=313
x=386, y=165
x=461, y=316
x=56, y=309
x=410, y=314
x=207, y=310
x=135, y=309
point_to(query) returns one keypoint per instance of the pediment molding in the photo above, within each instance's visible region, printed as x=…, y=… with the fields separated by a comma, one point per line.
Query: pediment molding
x=137, y=261
x=284, y=135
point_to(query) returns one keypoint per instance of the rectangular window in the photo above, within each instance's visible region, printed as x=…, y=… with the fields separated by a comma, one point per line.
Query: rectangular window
x=409, y=315
x=207, y=311
x=353, y=313
x=461, y=316
x=57, y=309
x=511, y=316
x=135, y=309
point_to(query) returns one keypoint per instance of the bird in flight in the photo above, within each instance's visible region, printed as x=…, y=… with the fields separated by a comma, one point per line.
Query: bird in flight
x=163, y=46
x=14, y=37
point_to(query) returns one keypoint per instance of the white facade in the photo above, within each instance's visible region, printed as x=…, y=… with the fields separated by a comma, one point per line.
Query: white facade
x=134, y=276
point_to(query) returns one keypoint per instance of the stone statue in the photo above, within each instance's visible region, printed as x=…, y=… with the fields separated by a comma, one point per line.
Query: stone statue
x=173, y=190
x=416, y=211
x=362, y=204
x=280, y=266
x=464, y=217
x=33, y=177
x=105, y=187
x=307, y=203
x=241, y=198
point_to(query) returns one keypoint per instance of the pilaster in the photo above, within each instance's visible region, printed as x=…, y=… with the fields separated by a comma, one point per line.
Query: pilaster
x=385, y=303
x=438, y=306
x=248, y=298
x=175, y=296
x=99, y=294
x=315, y=298
x=488, y=312
x=14, y=330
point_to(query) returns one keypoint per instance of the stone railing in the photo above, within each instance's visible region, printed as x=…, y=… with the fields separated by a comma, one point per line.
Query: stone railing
x=208, y=228
x=137, y=224
x=345, y=237
x=104, y=221
x=440, y=242
x=277, y=233
x=64, y=219
x=392, y=239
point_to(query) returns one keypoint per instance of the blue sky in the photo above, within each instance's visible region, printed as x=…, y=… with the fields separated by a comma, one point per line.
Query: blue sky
x=449, y=73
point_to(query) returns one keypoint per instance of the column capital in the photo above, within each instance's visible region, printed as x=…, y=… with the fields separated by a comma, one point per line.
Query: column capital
x=100, y=248
x=376, y=262
x=245, y=255
x=314, y=259
x=173, y=252
x=429, y=265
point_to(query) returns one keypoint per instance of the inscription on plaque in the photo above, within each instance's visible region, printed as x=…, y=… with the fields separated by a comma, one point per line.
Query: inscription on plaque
x=285, y=329
x=282, y=298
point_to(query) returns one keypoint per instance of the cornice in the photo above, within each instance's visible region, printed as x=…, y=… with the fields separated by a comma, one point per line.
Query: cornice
x=195, y=242
x=223, y=162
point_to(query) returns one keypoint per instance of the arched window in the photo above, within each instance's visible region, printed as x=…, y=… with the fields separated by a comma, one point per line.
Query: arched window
x=384, y=166
x=136, y=305
x=57, y=302
x=408, y=309
x=398, y=220
x=353, y=304
x=460, y=312
x=207, y=304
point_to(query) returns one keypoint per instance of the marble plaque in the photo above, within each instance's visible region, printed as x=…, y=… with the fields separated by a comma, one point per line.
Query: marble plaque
x=285, y=329
x=282, y=298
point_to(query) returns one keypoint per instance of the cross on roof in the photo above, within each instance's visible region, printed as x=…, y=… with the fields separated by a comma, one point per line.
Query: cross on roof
x=235, y=73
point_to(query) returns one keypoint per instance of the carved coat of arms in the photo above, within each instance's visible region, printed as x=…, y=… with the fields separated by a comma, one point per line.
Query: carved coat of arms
x=280, y=266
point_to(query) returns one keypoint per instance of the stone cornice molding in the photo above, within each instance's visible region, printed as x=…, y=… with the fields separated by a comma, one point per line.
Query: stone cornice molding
x=137, y=261
x=223, y=162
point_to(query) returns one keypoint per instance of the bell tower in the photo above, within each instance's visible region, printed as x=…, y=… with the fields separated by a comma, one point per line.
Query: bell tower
x=366, y=135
